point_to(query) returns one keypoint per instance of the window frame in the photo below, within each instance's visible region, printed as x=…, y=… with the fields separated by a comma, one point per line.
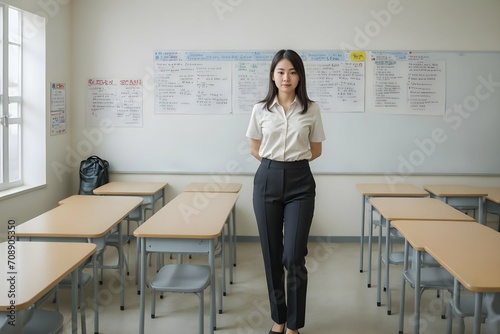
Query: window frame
x=27, y=170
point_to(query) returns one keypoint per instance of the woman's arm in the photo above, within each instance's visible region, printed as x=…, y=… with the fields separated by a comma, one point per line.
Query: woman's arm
x=315, y=150
x=254, y=148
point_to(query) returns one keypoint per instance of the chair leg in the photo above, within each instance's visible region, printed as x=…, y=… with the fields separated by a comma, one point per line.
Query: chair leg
x=152, y=303
x=443, y=305
x=82, y=309
x=461, y=325
x=402, y=306
x=137, y=265
x=201, y=312
x=379, y=269
x=101, y=262
x=81, y=305
x=493, y=324
x=451, y=315
x=449, y=320
x=126, y=262
x=56, y=298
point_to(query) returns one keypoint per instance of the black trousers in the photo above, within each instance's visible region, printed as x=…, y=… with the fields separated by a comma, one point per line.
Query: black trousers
x=283, y=200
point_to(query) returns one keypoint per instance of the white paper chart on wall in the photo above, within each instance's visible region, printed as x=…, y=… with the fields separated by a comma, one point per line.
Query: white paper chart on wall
x=405, y=82
x=117, y=102
x=226, y=82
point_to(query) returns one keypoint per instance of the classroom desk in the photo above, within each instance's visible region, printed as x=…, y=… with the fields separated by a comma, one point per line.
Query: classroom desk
x=460, y=197
x=391, y=209
x=149, y=191
x=38, y=267
x=470, y=254
x=83, y=218
x=184, y=225
x=369, y=190
x=214, y=187
x=418, y=233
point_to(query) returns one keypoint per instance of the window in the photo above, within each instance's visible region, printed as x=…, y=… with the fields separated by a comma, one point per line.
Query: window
x=22, y=97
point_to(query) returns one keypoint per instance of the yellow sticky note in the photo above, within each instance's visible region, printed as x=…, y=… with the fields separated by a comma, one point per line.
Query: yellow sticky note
x=358, y=56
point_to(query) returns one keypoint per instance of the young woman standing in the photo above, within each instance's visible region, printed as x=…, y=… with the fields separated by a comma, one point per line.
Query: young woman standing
x=286, y=133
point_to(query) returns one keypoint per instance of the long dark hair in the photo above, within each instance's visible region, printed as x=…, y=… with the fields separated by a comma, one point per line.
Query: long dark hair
x=300, y=91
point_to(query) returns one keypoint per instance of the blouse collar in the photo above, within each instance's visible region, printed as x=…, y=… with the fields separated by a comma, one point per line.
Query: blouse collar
x=275, y=102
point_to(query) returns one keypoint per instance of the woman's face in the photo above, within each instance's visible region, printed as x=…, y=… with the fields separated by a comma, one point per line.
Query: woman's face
x=285, y=77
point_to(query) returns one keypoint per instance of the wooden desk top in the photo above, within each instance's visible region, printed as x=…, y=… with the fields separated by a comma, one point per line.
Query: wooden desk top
x=130, y=188
x=404, y=208
x=213, y=187
x=455, y=190
x=39, y=267
x=419, y=232
x=493, y=194
x=190, y=215
x=388, y=190
x=470, y=252
x=80, y=216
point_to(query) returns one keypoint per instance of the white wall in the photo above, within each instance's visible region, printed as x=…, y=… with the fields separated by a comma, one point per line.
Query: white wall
x=116, y=38
x=58, y=28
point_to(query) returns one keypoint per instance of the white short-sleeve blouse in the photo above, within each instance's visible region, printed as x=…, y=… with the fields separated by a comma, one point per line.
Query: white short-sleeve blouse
x=286, y=136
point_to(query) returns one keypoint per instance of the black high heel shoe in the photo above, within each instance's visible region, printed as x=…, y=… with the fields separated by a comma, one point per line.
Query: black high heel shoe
x=282, y=332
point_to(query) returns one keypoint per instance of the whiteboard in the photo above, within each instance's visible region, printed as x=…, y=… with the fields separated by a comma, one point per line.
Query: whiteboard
x=465, y=140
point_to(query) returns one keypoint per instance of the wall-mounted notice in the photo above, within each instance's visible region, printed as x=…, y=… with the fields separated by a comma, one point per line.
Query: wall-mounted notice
x=57, y=108
x=226, y=82
x=336, y=80
x=403, y=82
x=118, y=101
x=192, y=83
x=250, y=79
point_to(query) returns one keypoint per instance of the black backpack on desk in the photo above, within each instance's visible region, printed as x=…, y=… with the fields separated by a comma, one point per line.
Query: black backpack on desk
x=94, y=172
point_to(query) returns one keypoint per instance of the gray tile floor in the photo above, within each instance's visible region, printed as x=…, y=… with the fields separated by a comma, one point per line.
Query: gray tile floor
x=338, y=299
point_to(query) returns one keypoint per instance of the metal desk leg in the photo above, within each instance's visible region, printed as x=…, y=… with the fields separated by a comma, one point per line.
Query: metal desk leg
x=96, y=304
x=379, y=269
x=74, y=300
x=121, y=261
x=370, y=234
x=223, y=271
x=403, y=288
x=456, y=296
x=478, y=302
x=142, y=285
x=362, y=237
x=233, y=214
x=416, y=263
x=211, y=261
x=137, y=250
x=232, y=245
x=480, y=211
x=387, y=263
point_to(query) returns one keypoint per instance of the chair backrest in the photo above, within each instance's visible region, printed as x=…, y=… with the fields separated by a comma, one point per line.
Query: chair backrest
x=491, y=302
x=94, y=172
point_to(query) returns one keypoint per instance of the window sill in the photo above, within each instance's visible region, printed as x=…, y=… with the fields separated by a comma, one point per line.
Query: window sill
x=18, y=191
